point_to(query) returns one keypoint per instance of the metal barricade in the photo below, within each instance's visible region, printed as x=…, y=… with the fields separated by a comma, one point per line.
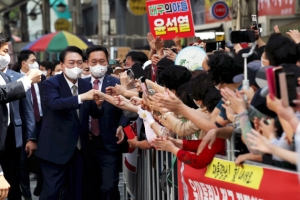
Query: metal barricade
x=156, y=177
x=155, y=170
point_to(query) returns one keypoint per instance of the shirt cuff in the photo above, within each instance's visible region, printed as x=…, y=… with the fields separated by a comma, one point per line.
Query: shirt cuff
x=79, y=100
x=1, y=173
x=26, y=83
x=32, y=139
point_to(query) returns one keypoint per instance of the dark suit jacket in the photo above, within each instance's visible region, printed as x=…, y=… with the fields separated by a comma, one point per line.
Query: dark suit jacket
x=111, y=119
x=23, y=114
x=61, y=125
x=8, y=93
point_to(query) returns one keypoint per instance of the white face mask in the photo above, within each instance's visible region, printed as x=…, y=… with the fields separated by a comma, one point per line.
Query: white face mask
x=98, y=71
x=85, y=76
x=4, y=61
x=44, y=73
x=57, y=73
x=73, y=73
x=34, y=65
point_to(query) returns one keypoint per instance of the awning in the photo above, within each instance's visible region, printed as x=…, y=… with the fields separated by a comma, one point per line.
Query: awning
x=213, y=29
x=210, y=33
x=8, y=5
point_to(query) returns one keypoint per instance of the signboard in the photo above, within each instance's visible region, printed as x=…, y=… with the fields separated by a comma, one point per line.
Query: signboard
x=137, y=7
x=62, y=24
x=122, y=52
x=216, y=11
x=170, y=18
x=276, y=7
x=220, y=10
x=223, y=180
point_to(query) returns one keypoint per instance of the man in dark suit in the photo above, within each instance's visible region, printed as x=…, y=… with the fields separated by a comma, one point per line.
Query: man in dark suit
x=23, y=123
x=10, y=125
x=68, y=103
x=107, y=131
x=27, y=61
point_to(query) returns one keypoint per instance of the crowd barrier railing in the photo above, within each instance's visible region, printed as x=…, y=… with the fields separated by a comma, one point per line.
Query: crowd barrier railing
x=159, y=177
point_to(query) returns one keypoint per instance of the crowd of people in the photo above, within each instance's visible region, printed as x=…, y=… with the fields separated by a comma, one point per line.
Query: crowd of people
x=68, y=121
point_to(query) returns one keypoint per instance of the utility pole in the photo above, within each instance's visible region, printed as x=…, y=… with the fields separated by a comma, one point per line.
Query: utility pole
x=100, y=35
x=24, y=23
x=103, y=21
x=46, y=16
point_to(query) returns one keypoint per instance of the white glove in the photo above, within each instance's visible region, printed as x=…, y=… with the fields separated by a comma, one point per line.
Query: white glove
x=146, y=116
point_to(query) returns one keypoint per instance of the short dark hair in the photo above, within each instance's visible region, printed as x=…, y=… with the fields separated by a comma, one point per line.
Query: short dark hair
x=223, y=67
x=55, y=63
x=47, y=65
x=24, y=55
x=280, y=49
x=174, y=76
x=212, y=98
x=200, y=85
x=183, y=92
x=93, y=48
x=134, y=55
x=3, y=39
x=69, y=49
x=142, y=57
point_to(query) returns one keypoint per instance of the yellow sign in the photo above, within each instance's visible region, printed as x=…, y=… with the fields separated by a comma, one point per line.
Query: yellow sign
x=137, y=7
x=222, y=170
x=122, y=52
x=62, y=24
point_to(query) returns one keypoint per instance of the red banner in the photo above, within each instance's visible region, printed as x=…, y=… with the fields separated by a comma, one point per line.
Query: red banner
x=223, y=180
x=276, y=7
x=170, y=18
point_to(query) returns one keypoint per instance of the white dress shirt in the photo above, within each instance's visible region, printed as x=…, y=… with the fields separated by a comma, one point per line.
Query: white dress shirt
x=100, y=81
x=71, y=88
x=38, y=95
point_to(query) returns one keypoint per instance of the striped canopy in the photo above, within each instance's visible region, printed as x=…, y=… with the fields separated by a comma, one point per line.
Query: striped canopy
x=56, y=42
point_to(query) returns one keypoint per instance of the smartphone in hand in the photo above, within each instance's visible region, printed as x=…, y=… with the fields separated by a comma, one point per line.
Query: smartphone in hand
x=144, y=86
x=247, y=36
x=288, y=88
x=271, y=82
x=254, y=22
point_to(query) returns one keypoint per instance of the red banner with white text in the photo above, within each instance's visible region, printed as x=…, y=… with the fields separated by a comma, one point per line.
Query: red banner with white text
x=170, y=18
x=276, y=7
x=223, y=180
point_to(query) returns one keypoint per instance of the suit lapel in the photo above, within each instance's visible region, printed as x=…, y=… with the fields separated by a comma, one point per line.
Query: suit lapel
x=106, y=83
x=66, y=91
x=5, y=77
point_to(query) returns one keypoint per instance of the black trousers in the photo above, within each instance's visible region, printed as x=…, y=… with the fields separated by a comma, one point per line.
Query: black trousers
x=62, y=181
x=101, y=174
x=10, y=162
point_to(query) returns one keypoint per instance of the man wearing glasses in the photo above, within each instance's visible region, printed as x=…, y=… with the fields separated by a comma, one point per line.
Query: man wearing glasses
x=68, y=104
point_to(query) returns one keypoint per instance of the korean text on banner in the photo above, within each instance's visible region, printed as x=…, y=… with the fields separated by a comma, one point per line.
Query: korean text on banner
x=170, y=18
x=222, y=180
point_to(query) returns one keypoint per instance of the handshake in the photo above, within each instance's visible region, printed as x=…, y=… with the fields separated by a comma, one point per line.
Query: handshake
x=93, y=94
